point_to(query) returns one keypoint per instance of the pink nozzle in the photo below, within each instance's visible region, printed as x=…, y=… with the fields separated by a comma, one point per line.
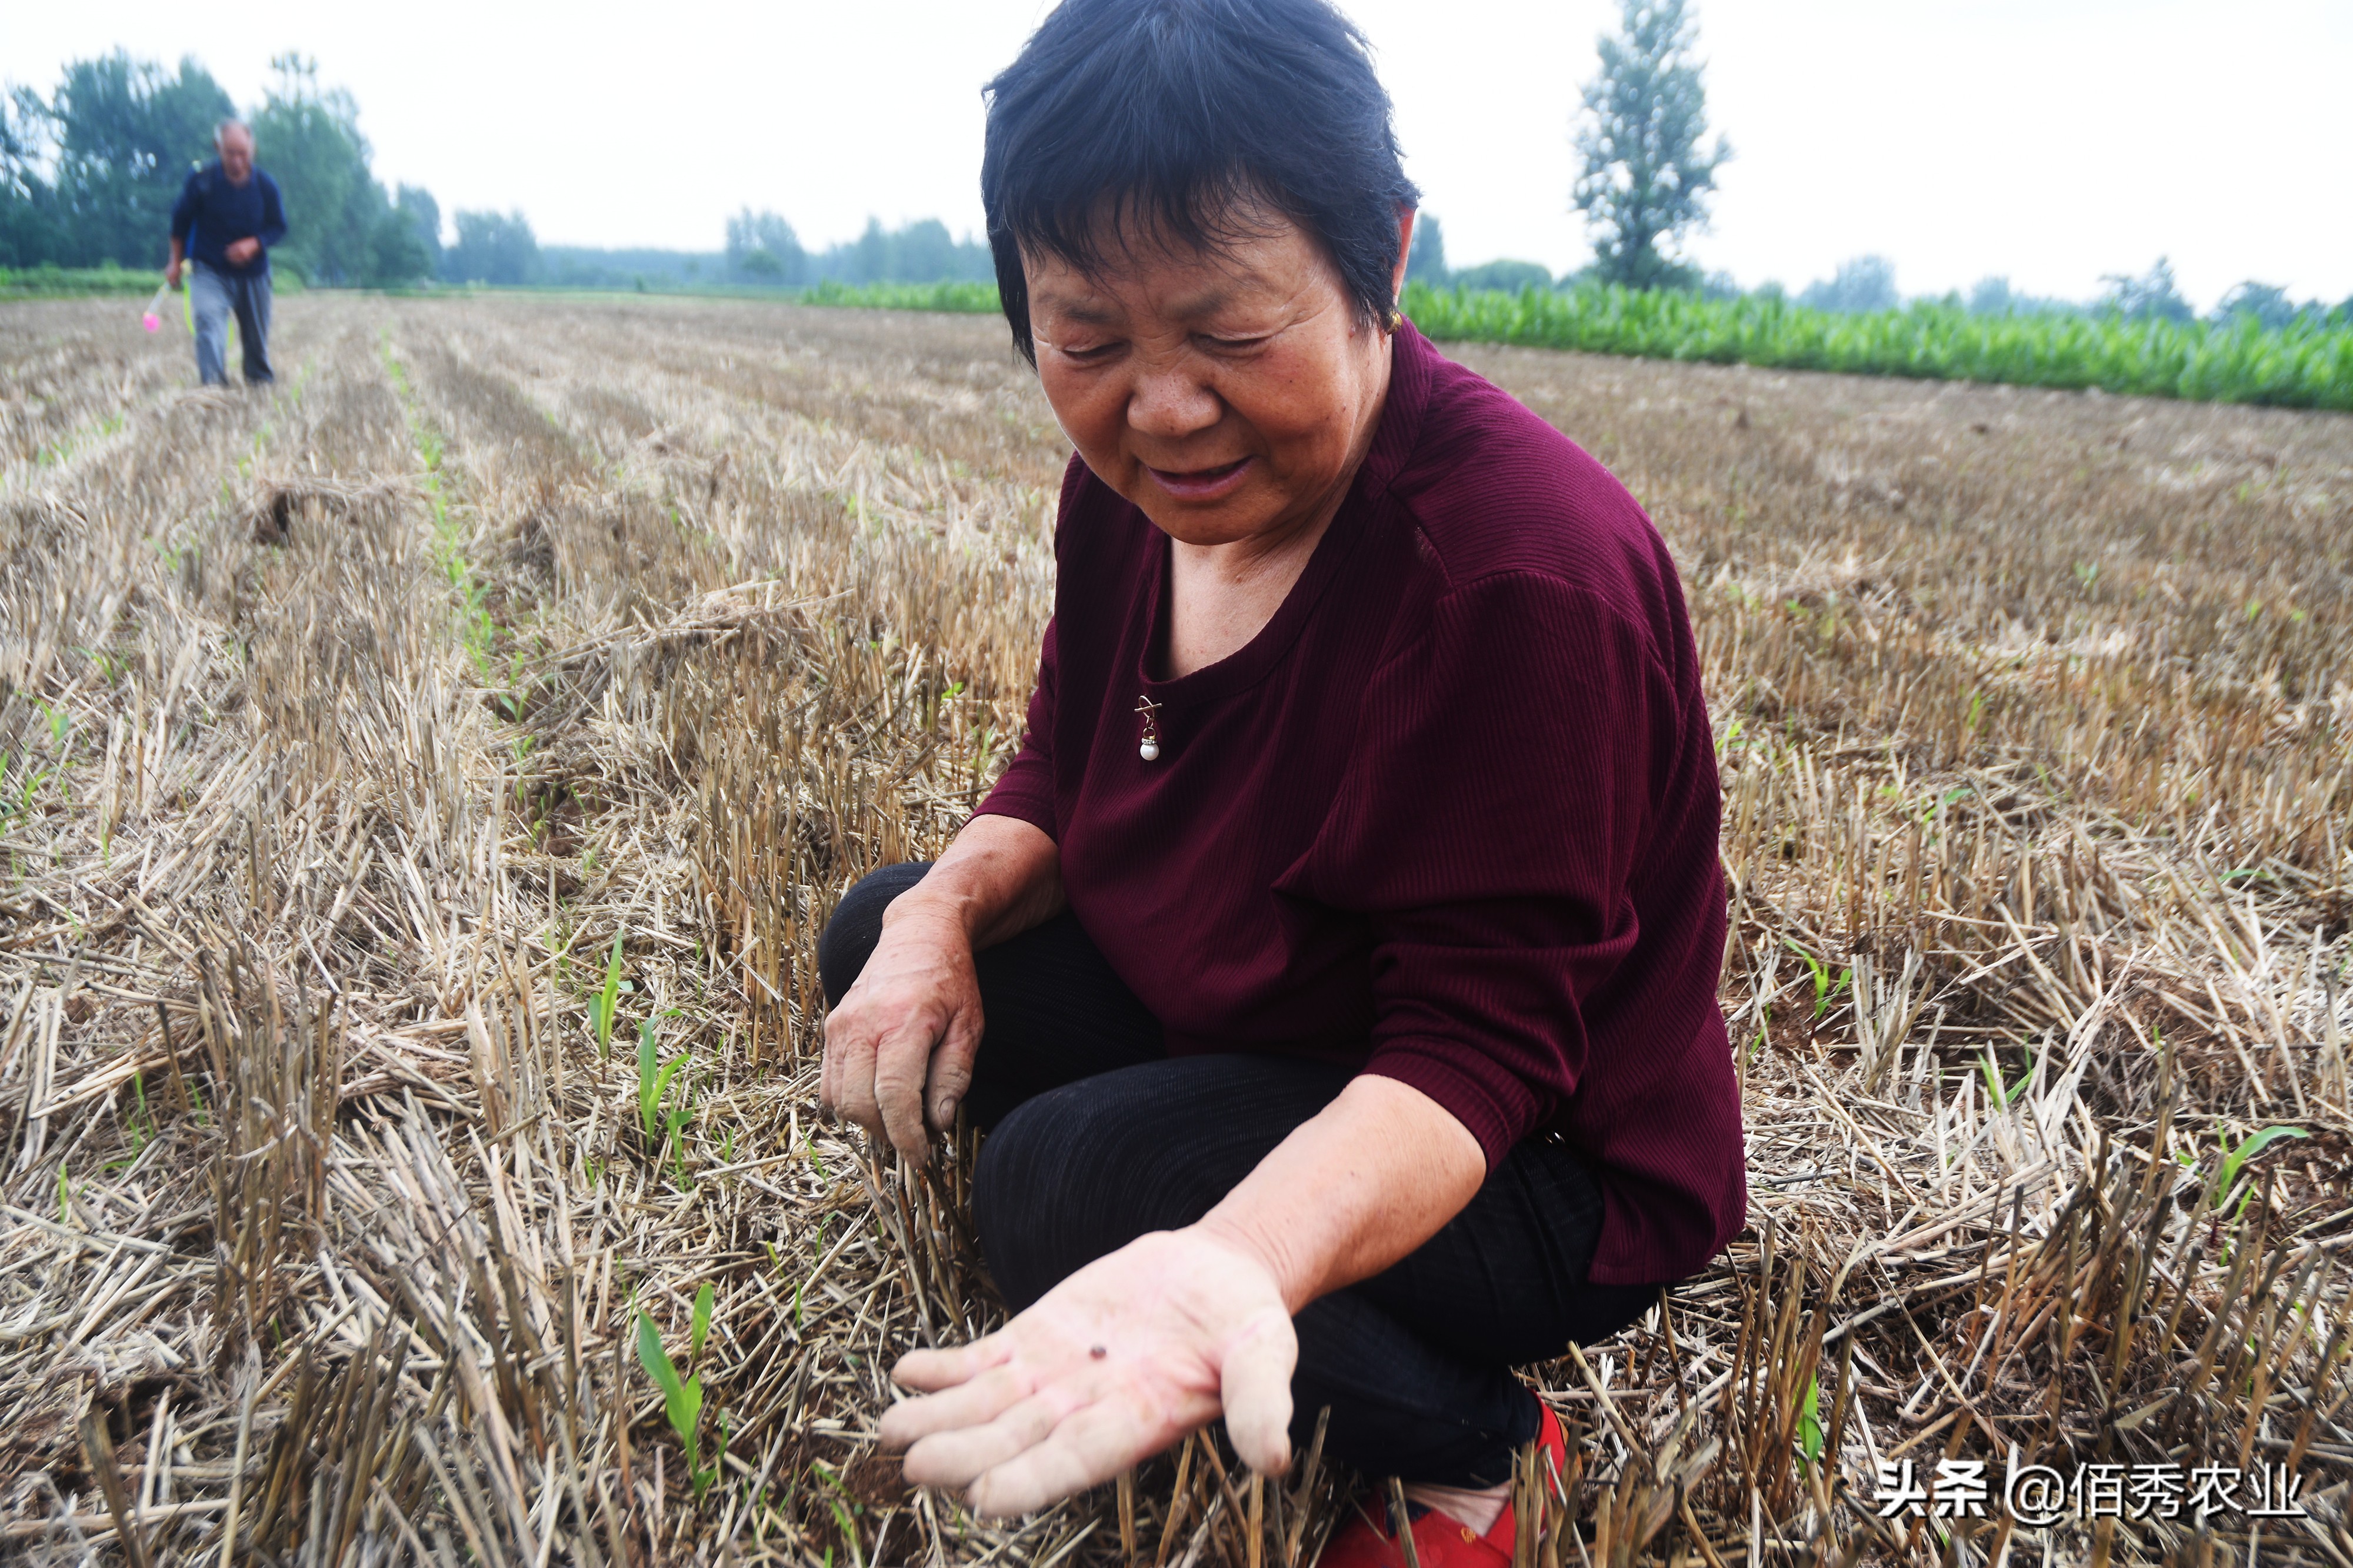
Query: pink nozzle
x=150, y=322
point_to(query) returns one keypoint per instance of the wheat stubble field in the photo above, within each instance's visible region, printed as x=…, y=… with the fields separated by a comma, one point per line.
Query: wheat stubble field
x=425, y=782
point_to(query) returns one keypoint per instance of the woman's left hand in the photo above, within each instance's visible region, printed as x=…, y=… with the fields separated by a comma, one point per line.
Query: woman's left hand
x=1116, y=1363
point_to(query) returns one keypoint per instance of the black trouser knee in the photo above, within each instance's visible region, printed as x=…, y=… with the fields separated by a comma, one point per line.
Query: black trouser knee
x=1098, y=1138
x=1052, y=1008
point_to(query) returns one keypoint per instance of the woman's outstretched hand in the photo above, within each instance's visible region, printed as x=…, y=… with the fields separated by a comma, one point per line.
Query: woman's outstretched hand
x=1113, y=1365
x=899, y=1049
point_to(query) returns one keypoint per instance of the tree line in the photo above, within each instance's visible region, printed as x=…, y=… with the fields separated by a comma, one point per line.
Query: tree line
x=764, y=250
x=89, y=174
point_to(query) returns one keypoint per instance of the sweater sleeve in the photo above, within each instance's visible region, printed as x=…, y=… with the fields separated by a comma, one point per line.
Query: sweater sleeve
x=1027, y=789
x=183, y=210
x=1498, y=804
x=273, y=212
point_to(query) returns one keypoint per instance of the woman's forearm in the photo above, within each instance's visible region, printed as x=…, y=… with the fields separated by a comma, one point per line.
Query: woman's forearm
x=1369, y=1178
x=997, y=879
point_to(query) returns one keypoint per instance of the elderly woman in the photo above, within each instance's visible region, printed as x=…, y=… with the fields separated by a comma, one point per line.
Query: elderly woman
x=1333, y=969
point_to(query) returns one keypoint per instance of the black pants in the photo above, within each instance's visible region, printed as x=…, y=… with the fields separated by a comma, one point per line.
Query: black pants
x=1096, y=1136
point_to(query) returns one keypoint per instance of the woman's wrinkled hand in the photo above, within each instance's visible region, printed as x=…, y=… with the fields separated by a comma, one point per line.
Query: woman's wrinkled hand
x=899, y=1047
x=1111, y=1367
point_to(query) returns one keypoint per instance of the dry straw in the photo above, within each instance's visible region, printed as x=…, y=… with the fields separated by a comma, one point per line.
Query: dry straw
x=352, y=730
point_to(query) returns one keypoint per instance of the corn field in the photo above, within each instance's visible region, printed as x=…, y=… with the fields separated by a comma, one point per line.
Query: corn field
x=425, y=781
x=2305, y=364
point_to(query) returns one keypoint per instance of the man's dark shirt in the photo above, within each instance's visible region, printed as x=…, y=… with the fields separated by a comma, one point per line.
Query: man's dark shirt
x=218, y=214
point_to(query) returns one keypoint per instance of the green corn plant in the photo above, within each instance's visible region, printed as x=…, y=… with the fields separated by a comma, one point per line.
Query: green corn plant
x=2234, y=1160
x=1997, y=1091
x=842, y=1504
x=600, y=1006
x=1810, y=1440
x=653, y=1083
x=1826, y=989
x=2299, y=366
x=682, y=1396
x=139, y=1125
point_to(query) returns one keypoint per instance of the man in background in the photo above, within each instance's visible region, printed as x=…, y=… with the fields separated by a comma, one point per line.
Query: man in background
x=227, y=217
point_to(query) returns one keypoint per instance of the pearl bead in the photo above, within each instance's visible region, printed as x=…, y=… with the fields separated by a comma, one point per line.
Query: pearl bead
x=1149, y=751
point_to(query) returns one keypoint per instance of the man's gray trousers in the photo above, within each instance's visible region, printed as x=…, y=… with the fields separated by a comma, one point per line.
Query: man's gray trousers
x=216, y=296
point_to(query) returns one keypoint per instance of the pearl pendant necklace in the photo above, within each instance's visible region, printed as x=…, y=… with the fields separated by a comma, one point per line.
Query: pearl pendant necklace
x=1149, y=748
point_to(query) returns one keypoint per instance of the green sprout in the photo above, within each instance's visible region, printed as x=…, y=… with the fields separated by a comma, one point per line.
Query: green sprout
x=2000, y=1093
x=1826, y=989
x=842, y=1506
x=653, y=1083
x=2234, y=1160
x=1810, y=1440
x=683, y=1396
x=141, y=1125
x=600, y=1006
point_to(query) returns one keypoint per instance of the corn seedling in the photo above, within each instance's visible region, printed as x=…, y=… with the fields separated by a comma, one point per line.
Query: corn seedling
x=1809, y=1424
x=653, y=1085
x=2235, y=1159
x=1997, y=1091
x=1827, y=987
x=601, y=1006
x=682, y=1396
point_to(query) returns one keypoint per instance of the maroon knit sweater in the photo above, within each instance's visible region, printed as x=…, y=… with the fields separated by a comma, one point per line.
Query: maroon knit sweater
x=1452, y=814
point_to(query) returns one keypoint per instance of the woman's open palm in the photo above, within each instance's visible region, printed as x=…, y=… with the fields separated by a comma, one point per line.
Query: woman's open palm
x=1113, y=1365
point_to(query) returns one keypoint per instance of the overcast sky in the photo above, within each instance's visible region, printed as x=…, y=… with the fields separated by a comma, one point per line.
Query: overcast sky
x=2050, y=141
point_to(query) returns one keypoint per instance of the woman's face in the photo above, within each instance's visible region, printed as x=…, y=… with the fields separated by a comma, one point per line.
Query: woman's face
x=1228, y=393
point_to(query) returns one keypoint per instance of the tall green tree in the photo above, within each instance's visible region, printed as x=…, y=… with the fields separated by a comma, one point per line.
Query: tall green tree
x=923, y=250
x=1646, y=177
x=871, y=255
x=762, y=247
x=1426, y=262
x=125, y=133
x=342, y=228
x=1506, y=274
x=1865, y=283
x=424, y=214
x=2151, y=297
x=920, y=252
x=29, y=230
x=2267, y=302
x=493, y=248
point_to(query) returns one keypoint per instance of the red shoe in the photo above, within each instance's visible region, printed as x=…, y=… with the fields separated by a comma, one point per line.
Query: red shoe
x=1367, y=1539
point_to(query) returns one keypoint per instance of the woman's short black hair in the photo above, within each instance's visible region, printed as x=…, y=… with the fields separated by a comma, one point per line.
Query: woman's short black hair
x=1181, y=116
